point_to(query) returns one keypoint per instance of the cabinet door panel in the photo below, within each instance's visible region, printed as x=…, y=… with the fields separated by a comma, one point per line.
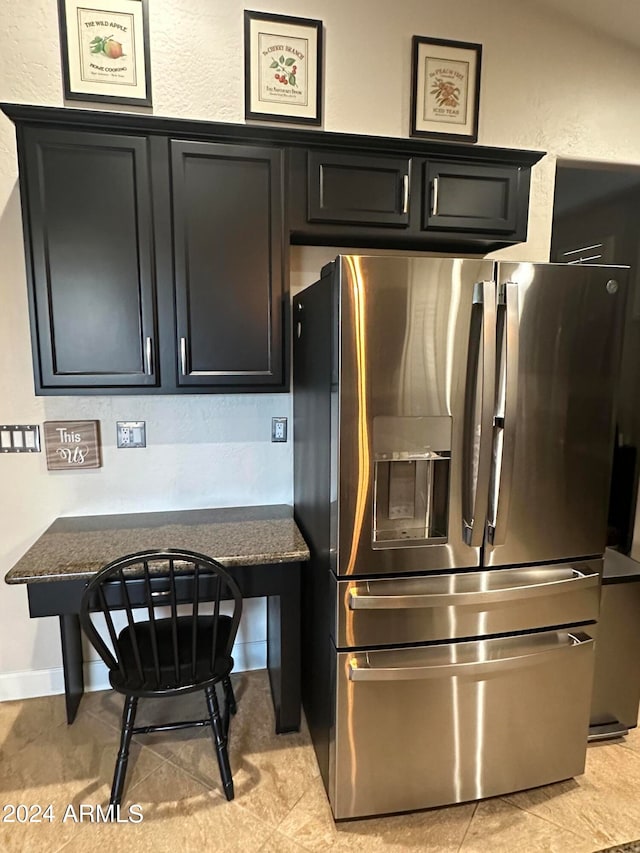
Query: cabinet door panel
x=358, y=190
x=89, y=217
x=228, y=236
x=469, y=197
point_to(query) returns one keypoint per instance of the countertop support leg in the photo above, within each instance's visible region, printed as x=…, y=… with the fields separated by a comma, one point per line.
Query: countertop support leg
x=283, y=650
x=71, y=636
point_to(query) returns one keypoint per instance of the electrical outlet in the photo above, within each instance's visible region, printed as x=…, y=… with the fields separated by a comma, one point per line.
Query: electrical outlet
x=278, y=429
x=131, y=433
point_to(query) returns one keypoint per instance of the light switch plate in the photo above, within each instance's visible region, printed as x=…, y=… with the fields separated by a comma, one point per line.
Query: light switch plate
x=131, y=433
x=19, y=438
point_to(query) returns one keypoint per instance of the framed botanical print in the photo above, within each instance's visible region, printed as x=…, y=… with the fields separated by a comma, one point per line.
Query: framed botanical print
x=445, y=91
x=105, y=51
x=282, y=68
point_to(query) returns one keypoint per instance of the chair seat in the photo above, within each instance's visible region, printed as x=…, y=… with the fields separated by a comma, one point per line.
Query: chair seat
x=186, y=680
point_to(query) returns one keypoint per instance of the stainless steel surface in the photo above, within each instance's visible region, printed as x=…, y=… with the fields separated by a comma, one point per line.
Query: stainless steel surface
x=469, y=720
x=405, y=194
x=606, y=731
x=183, y=356
x=506, y=415
x=403, y=356
x=568, y=344
x=148, y=353
x=616, y=680
x=469, y=604
x=434, y=197
x=465, y=413
x=478, y=441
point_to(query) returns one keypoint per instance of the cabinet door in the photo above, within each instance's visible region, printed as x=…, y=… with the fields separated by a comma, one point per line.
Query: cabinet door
x=358, y=190
x=228, y=235
x=470, y=197
x=88, y=220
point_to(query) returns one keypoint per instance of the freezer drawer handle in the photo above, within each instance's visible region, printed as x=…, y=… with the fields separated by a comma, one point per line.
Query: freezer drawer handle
x=368, y=601
x=462, y=670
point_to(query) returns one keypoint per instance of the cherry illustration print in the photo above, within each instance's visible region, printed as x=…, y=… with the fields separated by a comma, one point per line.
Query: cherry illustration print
x=286, y=70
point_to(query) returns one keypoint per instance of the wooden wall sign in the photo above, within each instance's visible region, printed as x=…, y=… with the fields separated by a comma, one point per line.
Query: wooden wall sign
x=72, y=445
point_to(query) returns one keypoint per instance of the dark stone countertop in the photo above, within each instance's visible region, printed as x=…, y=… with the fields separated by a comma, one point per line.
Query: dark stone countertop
x=77, y=547
x=618, y=568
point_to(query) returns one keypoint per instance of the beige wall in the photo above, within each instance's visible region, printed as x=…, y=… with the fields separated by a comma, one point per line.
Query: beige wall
x=545, y=85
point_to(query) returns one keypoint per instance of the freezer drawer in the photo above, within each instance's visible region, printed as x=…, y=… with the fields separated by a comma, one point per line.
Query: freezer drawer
x=466, y=604
x=426, y=726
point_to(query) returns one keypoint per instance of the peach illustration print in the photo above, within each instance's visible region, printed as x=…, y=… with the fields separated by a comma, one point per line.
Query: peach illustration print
x=445, y=93
x=107, y=46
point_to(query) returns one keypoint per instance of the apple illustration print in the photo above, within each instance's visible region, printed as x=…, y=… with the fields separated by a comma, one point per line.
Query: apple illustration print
x=107, y=46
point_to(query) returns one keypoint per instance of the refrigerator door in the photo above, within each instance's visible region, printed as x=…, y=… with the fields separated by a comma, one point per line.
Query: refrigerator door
x=414, y=414
x=427, y=608
x=426, y=726
x=558, y=338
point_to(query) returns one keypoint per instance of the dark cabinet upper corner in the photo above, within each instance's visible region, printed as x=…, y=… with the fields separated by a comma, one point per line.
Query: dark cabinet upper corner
x=156, y=248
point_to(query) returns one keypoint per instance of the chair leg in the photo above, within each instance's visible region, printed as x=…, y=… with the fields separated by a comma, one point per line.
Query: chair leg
x=220, y=741
x=229, y=704
x=128, y=720
x=229, y=694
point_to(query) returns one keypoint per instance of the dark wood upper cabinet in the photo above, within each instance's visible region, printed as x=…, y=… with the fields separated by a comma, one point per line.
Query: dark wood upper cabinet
x=357, y=189
x=471, y=197
x=228, y=243
x=88, y=216
x=412, y=202
x=156, y=248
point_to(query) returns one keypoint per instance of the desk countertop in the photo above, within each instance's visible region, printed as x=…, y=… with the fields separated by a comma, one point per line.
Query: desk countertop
x=77, y=547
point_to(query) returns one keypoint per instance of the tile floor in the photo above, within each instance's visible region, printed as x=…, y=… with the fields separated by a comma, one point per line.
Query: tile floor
x=280, y=805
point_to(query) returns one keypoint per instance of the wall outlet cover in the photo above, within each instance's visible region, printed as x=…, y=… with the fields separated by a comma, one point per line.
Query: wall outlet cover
x=278, y=429
x=131, y=433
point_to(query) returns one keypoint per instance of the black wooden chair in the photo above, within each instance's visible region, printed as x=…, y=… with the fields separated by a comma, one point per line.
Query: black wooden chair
x=166, y=653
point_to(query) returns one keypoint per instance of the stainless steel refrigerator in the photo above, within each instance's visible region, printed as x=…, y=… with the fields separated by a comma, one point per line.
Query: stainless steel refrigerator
x=453, y=435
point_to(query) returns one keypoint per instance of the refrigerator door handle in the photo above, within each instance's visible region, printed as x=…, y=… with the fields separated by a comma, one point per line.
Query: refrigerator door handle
x=506, y=417
x=360, y=599
x=359, y=668
x=479, y=424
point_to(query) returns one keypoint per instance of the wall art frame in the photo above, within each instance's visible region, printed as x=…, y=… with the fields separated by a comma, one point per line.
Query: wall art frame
x=72, y=445
x=283, y=68
x=445, y=89
x=105, y=51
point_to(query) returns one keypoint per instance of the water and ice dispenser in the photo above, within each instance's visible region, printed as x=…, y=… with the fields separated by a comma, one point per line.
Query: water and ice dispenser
x=412, y=457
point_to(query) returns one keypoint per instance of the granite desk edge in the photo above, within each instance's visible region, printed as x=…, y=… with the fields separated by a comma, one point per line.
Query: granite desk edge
x=41, y=572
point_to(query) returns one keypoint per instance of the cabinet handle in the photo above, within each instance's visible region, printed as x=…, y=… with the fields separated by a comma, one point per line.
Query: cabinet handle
x=148, y=353
x=183, y=356
x=434, y=198
x=405, y=194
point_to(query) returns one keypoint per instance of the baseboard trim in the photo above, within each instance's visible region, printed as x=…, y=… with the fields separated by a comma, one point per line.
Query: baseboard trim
x=49, y=682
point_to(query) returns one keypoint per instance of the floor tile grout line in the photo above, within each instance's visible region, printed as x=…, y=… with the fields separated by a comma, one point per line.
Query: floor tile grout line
x=116, y=727
x=468, y=826
x=544, y=818
x=286, y=834
x=70, y=840
x=146, y=775
x=169, y=760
